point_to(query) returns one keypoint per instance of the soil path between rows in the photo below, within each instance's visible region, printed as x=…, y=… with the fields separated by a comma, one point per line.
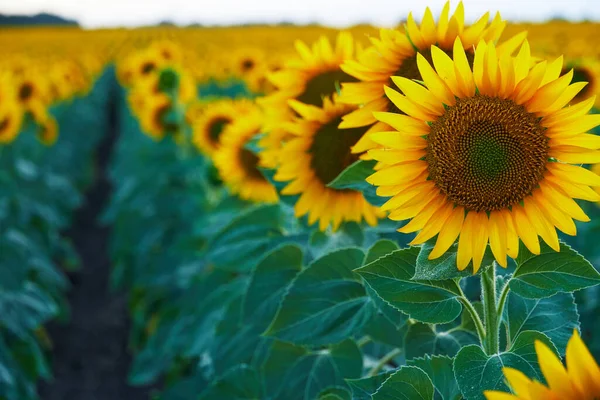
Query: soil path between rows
x=90, y=359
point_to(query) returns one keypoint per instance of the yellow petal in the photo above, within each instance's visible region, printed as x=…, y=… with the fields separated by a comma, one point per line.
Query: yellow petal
x=465, y=242
x=523, y=228
x=480, y=235
x=574, y=174
x=407, y=106
x=581, y=366
x=448, y=233
x=497, y=231
x=554, y=372
x=434, y=83
x=398, y=173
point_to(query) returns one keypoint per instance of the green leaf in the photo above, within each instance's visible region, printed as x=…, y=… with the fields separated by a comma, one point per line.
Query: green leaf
x=407, y=383
x=365, y=388
x=350, y=234
x=354, y=178
x=441, y=372
x=242, y=243
x=381, y=329
x=444, y=267
x=422, y=339
x=426, y=301
x=380, y=249
x=239, y=383
x=326, y=303
x=335, y=393
x=555, y=316
x=552, y=272
x=296, y=373
x=270, y=279
x=475, y=371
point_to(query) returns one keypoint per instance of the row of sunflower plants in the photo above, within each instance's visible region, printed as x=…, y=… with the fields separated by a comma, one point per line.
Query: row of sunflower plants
x=261, y=237
x=46, y=154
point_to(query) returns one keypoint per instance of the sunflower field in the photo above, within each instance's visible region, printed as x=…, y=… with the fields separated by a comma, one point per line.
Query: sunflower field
x=302, y=213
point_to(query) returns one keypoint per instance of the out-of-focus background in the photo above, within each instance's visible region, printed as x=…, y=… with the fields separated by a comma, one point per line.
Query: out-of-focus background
x=121, y=265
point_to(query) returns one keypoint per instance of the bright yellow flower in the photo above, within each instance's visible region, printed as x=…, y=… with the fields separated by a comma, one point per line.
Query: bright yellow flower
x=586, y=70
x=486, y=153
x=311, y=77
x=317, y=153
x=11, y=119
x=238, y=166
x=394, y=53
x=212, y=121
x=580, y=380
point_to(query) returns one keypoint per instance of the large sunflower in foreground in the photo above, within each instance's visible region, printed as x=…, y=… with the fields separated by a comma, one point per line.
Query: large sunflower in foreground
x=394, y=53
x=487, y=153
x=238, y=166
x=317, y=153
x=309, y=78
x=212, y=121
x=580, y=380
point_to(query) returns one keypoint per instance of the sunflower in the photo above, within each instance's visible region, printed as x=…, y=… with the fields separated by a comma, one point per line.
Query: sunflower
x=154, y=117
x=238, y=166
x=308, y=79
x=313, y=76
x=580, y=380
x=318, y=153
x=47, y=131
x=394, y=53
x=486, y=154
x=169, y=80
x=211, y=123
x=11, y=118
x=30, y=89
x=586, y=70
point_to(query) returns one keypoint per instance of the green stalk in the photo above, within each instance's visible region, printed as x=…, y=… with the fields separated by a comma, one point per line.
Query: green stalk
x=474, y=315
x=490, y=310
x=383, y=361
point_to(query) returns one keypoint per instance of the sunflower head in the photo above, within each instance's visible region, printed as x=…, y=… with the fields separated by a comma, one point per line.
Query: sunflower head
x=585, y=70
x=579, y=380
x=11, y=118
x=212, y=121
x=395, y=53
x=238, y=165
x=314, y=75
x=315, y=155
x=155, y=117
x=486, y=153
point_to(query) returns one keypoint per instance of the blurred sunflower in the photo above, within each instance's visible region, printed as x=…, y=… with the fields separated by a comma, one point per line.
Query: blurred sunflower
x=318, y=153
x=154, y=117
x=170, y=80
x=486, y=154
x=586, y=70
x=394, y=53
x=580, y=380
x=213, y=120
x=11, y=118
x=308, y=79
x=30, y=89
x=47, y=128
x=238, y=166
x=315, y=75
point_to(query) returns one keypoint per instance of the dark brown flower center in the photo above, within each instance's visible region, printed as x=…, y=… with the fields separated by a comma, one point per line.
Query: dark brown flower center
x=25, y=91
x=216, y=127
x=486, y=153
x=323, y=85
x=331, y=149
x=250, y=164
x=160, y=119
x=4, y=124
x=148, y=67
x=247, y=65
x=409, y=69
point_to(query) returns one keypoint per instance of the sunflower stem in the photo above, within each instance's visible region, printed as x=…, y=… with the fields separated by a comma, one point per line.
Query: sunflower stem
x=501, y=304
x=490, y=310
x=474, y=315
x=383, y=361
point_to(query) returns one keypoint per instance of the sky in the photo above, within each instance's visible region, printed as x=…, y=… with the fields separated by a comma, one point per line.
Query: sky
x=338, y=13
